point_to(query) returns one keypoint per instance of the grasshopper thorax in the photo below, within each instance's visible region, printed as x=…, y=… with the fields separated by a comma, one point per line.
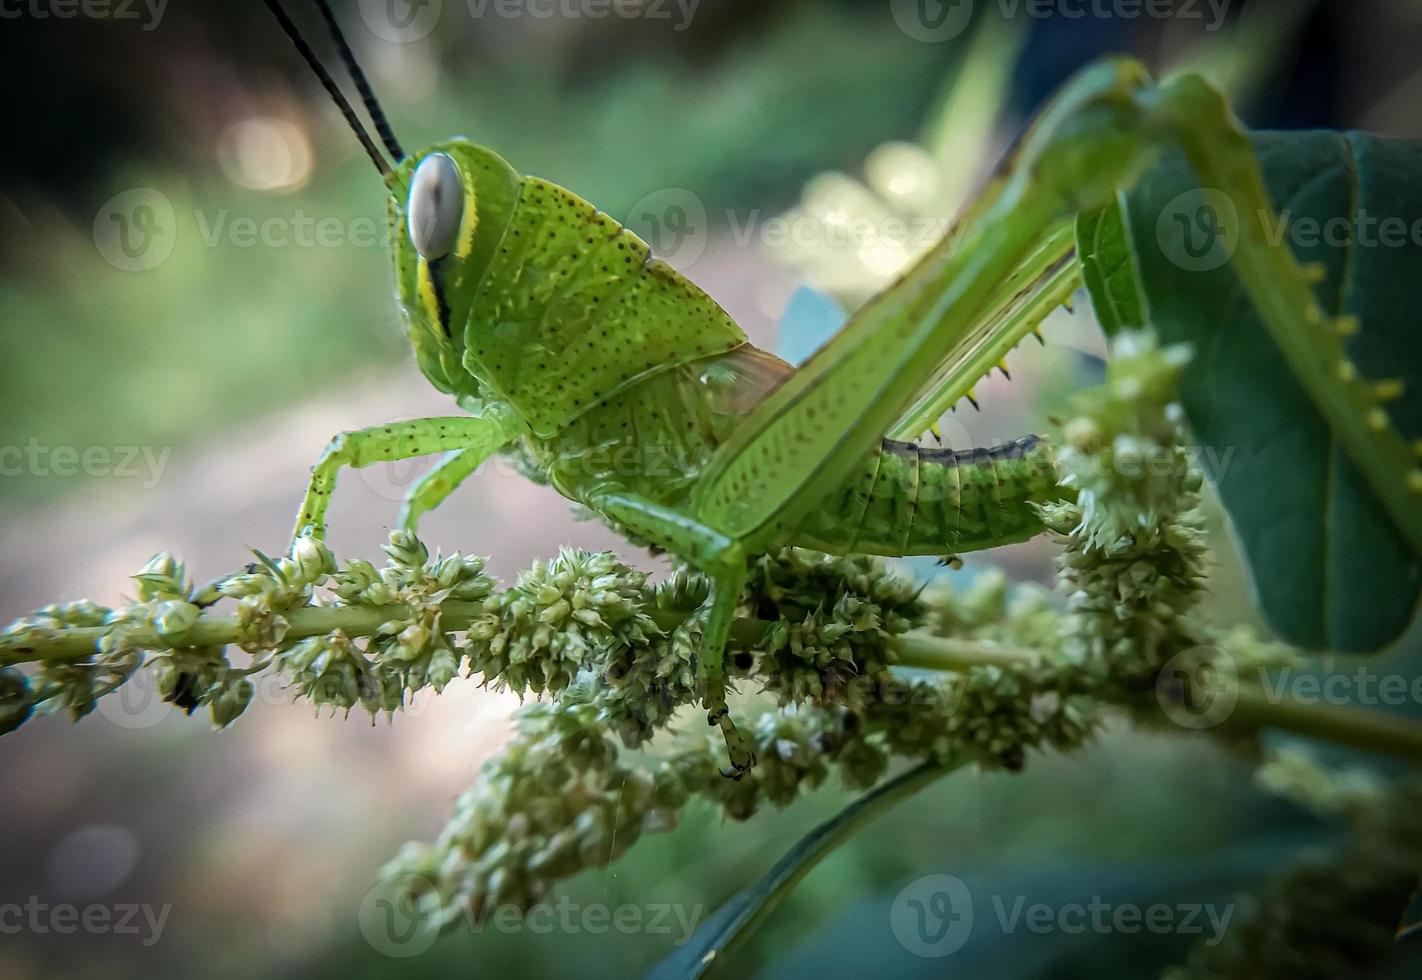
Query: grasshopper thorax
x=516, y=289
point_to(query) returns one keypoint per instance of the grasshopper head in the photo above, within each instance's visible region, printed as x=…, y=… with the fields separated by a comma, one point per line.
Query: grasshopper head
x=449, y=205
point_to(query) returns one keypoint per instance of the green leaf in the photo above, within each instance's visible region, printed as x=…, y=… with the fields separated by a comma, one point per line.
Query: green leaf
x=1108, y=271
x=746, y=910
x=1330, y=569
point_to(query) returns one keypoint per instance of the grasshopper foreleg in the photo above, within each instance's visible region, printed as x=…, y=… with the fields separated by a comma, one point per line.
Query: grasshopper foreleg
x=473, y=435
x=431, y=489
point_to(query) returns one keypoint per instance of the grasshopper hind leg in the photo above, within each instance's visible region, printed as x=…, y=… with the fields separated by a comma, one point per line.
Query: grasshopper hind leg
x=738, y=745
x=726, y=590
x=723, y=559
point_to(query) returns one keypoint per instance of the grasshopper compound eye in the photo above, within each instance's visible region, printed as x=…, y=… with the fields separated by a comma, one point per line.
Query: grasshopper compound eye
x=436, y=206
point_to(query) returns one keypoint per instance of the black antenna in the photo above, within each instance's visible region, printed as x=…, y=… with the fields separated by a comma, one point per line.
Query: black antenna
x=309, y=56
x=372, y=104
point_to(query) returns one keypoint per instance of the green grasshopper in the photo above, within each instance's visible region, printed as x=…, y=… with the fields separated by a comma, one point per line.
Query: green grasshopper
x=561, y=337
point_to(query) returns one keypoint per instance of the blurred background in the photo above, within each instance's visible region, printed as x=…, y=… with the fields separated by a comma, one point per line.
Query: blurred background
x=195, y=296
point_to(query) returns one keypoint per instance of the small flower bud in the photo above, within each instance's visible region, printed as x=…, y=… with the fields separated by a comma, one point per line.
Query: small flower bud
x=313, y=559
x=161, y=578
x=230, y=704
x=173, y=618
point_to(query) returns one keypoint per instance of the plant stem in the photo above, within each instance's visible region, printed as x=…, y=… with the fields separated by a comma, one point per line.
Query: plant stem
x=929, y=652
x=79, y=642
x=1371, y=731
x=1362, y=729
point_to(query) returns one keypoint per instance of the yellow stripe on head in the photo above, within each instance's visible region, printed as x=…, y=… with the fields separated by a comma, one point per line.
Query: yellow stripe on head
x=470, y=219
x=429, y=299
